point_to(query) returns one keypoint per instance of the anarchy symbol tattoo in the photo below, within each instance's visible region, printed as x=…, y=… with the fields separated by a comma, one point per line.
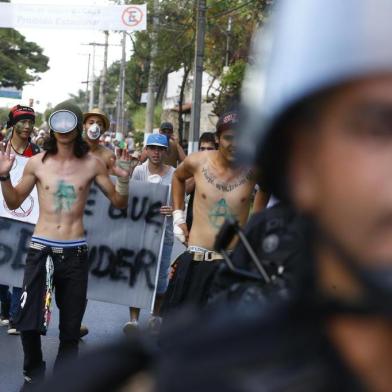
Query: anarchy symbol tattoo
x=65, y=196
x=219, y=213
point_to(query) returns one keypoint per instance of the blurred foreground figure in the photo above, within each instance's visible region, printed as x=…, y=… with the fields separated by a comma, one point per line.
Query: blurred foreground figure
x=320, y=125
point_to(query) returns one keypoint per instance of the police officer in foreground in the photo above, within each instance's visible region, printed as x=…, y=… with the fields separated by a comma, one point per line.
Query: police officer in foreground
x=320, y=119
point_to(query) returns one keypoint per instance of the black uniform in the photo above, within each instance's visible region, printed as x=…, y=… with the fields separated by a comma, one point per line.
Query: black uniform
x=276, y=348
x=251, y=345
x=277, y=237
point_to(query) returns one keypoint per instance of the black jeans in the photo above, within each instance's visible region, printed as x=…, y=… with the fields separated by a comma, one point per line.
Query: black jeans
x=70, y=283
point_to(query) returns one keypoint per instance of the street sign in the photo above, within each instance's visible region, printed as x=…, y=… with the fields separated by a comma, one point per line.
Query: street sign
x=82, y=17
x=10, y=92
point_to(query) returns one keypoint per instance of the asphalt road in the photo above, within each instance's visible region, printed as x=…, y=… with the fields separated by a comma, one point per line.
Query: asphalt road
x=105, y=322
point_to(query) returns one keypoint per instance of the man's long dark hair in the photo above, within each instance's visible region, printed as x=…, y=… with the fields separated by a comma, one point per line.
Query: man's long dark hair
x=81, y=148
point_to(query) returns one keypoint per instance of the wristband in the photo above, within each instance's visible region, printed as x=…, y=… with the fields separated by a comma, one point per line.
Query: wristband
x=5, y=178
x=125, y=165
x=178, y=217
x=122, y=186
x=179, y=234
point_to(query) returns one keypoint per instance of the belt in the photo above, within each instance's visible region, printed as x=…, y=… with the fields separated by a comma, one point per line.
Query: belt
x=55, y=249
x=209, y=255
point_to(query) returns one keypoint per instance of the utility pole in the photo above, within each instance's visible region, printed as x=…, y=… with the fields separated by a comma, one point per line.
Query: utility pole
x=87, y=83
x=91, y=82
x=151, y=74
x=197, y=77
x=120, y=128
x=91, y=101
x=228, y=31
x=102, y=82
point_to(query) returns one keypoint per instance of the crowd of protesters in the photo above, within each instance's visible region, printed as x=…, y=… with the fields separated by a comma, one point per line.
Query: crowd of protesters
x=217, y=189
x=298, y=298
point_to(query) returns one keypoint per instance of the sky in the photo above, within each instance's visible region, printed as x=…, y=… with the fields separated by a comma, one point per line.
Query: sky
x=68, y=59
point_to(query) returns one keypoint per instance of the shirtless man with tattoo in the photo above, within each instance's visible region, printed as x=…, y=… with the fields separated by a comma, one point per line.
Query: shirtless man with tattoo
x=222, y=190
x=57, y=256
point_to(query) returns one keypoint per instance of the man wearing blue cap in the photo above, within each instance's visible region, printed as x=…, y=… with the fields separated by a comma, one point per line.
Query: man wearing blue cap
x=155, y=171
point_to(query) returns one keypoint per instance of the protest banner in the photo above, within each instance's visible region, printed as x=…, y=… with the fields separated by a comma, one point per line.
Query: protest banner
x=28, y=211
x=130, y=17
x=124, y=246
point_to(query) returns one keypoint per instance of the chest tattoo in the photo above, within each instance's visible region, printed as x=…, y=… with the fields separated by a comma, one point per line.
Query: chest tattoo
x=64, y=197
x=219, y=212
x=226, y=186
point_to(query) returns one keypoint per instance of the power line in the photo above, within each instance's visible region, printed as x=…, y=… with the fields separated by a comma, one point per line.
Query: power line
x=223, y=13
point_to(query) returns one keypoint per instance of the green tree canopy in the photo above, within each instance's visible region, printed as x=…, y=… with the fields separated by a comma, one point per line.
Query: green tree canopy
x=226, y=50
x=20, y=61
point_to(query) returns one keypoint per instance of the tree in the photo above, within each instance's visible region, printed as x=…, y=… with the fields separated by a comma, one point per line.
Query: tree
x=175, y=50
x=20, y=61
x=230, y=27
x=3, y=117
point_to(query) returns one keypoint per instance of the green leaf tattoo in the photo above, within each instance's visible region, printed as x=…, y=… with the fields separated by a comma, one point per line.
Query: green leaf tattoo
x=219, y=213
x=64, y=197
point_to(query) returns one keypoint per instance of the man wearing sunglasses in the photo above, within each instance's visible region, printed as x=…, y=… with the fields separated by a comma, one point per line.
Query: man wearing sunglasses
x=57, y=255
x=222, y=190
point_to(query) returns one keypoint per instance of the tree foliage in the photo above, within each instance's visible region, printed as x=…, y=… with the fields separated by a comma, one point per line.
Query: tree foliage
x=226, y=50
x=20, y=60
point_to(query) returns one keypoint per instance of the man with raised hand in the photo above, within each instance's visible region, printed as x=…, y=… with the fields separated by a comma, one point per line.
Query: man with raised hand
x=57, y=255
x=222, y=190
x=20, y=122
x=95, y=124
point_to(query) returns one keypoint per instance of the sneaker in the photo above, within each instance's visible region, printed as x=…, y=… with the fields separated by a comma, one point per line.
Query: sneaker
x=154, y=324
x=12, y=329
x=4, y=321
x=83, y=331
x=27, y=385
x=130, y=327
x=33, y=379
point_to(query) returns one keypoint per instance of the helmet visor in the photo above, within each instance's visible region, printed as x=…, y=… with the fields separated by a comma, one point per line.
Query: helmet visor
x=63, y=121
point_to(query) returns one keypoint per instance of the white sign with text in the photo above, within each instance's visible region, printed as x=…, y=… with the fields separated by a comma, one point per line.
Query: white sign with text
x=125, y=246
x=128, y=17
x=28, y=211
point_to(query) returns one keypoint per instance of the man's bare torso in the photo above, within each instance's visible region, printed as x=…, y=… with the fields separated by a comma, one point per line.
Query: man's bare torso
x=220, y=193
x=104, y=154
x=63, y=187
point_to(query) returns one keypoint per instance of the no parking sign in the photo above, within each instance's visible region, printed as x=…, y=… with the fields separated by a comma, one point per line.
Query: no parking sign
x=134, y=15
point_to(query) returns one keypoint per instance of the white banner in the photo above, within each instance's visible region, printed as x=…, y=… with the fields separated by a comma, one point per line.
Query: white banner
x=125, y=246
x=74, y=17
x=28, y=211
